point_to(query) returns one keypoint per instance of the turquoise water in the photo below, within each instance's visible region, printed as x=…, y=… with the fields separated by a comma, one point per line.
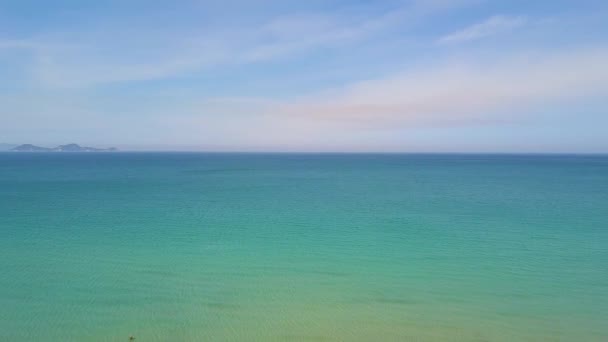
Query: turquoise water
x=279, y=247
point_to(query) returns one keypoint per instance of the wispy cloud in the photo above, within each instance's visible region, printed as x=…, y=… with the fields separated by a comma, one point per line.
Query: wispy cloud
x=356, y=116
x=436, y=96
x=111, y=53
x=494, y=25
x=460, y=92
x=300, y=76
x=82, y=59
x=20, y=44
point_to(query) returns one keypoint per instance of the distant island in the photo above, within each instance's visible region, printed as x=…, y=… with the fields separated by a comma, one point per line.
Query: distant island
x=61, y=148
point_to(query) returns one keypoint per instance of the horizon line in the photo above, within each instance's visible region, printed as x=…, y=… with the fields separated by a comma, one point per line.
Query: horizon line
x=316, y=152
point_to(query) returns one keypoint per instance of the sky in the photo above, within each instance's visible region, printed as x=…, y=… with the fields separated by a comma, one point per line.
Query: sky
x=306, y=76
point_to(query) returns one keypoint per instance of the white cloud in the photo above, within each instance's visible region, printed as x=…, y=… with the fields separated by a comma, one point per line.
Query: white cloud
x=113, y=53
x=456, y=93
x=503, y=86
x=355, y=117
x=83, y=59
x=491, y=26
x=361, y=114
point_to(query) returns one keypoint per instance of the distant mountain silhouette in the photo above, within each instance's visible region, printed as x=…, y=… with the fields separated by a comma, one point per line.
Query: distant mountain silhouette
x=30, y=148
x=61, y=148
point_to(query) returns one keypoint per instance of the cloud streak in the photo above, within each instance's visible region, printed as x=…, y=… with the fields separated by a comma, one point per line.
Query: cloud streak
x=439, y=95
x=492, y=26
x=456, y=93
x=332, y=75
x=111, y=54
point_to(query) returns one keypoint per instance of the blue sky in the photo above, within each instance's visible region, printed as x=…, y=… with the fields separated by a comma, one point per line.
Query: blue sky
x=269, y=75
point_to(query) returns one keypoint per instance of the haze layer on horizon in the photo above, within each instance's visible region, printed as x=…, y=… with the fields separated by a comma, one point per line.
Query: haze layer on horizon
x=331, y=75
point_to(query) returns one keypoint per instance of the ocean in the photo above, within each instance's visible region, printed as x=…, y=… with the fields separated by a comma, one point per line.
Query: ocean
x=303, y=247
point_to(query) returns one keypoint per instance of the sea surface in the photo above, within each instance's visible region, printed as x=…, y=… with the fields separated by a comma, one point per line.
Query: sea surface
x=303, y=247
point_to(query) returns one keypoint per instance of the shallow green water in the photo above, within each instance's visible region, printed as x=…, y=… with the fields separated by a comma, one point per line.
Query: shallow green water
x=212, y=247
